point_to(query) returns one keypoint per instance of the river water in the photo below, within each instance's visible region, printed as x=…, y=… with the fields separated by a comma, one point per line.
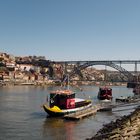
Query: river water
x=23, y=118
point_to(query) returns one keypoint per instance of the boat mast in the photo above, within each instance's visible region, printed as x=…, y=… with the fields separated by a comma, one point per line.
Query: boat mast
x=105, y=76
x=68, y=81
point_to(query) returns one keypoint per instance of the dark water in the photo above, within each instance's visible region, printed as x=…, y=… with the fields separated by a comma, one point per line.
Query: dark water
x=22, y=117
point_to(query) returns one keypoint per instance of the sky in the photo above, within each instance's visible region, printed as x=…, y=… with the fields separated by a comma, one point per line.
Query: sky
x=71, y=29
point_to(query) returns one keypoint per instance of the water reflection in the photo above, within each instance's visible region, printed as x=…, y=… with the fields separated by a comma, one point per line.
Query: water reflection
x=58, y=128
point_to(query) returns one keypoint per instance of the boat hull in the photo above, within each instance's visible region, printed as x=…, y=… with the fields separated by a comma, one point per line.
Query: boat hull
x=104, y=98
x=58, y=112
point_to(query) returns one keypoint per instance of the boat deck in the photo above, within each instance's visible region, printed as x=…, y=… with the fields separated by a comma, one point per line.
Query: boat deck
x=81, y=114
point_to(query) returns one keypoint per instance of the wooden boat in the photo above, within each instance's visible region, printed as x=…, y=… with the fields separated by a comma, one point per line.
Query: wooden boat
x=105, y=93
x=62, y=102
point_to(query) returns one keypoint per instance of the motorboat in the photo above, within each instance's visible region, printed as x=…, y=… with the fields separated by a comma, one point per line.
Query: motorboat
x=124, y=99
x=105, y=93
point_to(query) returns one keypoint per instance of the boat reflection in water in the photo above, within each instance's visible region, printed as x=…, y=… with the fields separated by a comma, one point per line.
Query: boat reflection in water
x=55, y=128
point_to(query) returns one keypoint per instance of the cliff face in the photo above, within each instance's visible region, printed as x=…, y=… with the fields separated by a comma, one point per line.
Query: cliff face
x=126, y=128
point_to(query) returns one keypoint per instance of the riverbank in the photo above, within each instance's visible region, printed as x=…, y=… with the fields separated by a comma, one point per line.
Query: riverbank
x=126, y=128
x=58, y=82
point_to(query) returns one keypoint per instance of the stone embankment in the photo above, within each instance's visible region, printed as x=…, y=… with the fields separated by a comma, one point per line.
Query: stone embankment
x=126, y=128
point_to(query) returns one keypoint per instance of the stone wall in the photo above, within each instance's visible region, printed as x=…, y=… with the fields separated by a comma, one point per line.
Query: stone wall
x=126, y=128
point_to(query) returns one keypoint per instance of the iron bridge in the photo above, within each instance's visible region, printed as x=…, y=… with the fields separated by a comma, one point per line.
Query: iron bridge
x=116, y=64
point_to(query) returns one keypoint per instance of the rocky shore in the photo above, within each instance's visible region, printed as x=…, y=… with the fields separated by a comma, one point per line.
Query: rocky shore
x=126, y=128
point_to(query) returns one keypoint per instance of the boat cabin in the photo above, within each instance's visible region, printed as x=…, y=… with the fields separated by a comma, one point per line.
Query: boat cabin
x=64, y=99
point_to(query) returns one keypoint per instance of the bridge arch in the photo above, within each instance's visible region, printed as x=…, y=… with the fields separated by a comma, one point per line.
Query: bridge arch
x=106, y=63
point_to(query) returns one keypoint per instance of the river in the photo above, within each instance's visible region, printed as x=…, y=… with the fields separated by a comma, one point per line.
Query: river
x=23, y=118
